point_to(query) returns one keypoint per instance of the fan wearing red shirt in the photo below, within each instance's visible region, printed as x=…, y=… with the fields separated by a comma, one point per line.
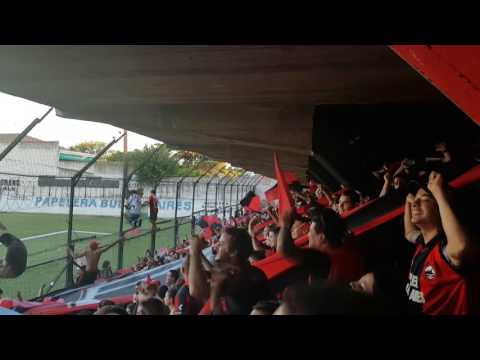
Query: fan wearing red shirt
x=444, y=275
x=328, y=255
x=153, y=204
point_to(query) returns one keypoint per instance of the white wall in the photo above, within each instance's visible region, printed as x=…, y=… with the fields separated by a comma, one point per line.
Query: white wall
x=31, y=159
x=91, y=206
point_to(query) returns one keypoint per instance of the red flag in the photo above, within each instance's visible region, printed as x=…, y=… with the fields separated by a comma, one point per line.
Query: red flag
x=290, y=177
x=283, y=192
x=255, y=204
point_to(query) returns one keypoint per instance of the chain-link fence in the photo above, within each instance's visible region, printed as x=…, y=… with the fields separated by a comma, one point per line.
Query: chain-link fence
x=35, y=209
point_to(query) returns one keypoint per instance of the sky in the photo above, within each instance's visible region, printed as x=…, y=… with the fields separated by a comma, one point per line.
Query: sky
x=17, y=113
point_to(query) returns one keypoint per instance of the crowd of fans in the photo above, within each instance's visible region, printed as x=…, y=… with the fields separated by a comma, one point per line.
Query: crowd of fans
x=159, y=257
x=338, y=279
x=442, y=278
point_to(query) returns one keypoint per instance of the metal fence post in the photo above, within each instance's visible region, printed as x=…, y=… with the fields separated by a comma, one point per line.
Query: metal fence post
x=24, y=133
x=175, y=221
x=122, y=214
x=236, y=200
x=73, y=182
x=177, y=195
x=193, y=196
x=224, y=189
x=216, y=195
x=206, y=196
x=218, y=183
x=236, y=183
x=208, y=184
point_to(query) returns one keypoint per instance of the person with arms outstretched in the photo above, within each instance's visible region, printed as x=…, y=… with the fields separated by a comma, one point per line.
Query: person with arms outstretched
x=92, y=255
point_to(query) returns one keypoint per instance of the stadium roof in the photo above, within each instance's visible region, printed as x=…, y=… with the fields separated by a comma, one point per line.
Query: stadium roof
x=234, y=103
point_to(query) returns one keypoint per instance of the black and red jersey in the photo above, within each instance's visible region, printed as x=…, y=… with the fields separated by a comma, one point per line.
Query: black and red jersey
x=185, y=304
x=436, y=287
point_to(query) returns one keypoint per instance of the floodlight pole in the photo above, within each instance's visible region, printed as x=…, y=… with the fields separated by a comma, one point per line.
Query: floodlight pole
x=24, y=133
x=73, y=182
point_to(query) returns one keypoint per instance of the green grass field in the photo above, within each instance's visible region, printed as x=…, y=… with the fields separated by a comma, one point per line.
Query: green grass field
x=53, y=246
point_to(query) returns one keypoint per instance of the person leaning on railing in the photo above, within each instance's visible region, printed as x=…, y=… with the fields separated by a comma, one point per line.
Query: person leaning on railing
x=15, y=261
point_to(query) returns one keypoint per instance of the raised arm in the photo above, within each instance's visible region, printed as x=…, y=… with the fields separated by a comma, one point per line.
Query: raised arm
x=206, y=264
x=272, y=215
x=403, y=167
x=329, y=197
x=285, y=245
x=197, y=277
x=386, y=185
x=411, y=231
x=257, y=246
x=461, y=247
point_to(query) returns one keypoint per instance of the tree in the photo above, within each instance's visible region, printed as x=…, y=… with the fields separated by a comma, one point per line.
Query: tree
x=89, y=147
x=114, y=156
x=155, y=166
x=191, y=159
x=167, y=162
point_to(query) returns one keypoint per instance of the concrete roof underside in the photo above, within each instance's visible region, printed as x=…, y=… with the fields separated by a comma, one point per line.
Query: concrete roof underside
x=233, y=103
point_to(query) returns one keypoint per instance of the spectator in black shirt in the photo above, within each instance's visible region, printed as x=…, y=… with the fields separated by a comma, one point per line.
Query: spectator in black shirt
x=169, y=299
x=162, y=291
x=16, y=257
x=323, y=298
x=185, y=304
x=172, y=278
x=235, y=286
